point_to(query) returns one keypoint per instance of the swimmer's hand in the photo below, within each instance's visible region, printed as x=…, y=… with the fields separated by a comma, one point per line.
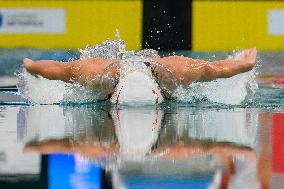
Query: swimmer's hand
x=248, y=56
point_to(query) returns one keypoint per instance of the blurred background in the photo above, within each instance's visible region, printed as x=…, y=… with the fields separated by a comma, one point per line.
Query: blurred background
x=197, y=25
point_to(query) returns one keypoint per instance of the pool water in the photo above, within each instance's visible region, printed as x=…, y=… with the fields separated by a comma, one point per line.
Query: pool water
x=173, y=145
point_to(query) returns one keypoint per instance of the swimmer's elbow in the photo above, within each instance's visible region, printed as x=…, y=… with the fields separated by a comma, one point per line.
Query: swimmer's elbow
x=210, y=72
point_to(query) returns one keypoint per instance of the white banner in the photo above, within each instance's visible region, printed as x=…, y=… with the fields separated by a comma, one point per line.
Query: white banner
x=35, y=20
x=276, y=22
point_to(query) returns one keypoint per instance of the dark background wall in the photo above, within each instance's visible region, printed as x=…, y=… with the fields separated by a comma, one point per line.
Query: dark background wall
x=167, y=24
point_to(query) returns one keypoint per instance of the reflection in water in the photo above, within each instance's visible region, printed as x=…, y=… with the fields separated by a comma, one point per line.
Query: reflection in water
x=11, y=163
x=146, y=140
x=141, y=126
x=136, y=130
x=2, y=156
x=227, y=148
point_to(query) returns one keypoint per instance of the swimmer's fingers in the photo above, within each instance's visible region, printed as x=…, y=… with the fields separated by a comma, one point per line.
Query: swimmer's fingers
x=249, y=55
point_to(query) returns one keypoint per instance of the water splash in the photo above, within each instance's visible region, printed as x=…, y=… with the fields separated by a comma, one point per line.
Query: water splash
x=233, y=90
x=114, y=49
x=229, y=91
x=39, y=90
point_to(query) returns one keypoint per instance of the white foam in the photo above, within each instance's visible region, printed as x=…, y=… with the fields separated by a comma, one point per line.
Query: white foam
x=231, y=90
x=39, y=90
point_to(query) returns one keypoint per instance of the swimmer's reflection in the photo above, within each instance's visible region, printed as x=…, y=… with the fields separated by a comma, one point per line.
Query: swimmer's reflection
x=143, y=133
x=135, y=131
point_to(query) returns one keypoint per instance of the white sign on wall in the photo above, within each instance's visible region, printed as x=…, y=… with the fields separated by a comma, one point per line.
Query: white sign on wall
x=35, y=20
x=276, y=22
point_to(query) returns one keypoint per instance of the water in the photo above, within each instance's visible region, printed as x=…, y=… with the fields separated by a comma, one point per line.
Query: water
x=139, y=147
x=191, y=142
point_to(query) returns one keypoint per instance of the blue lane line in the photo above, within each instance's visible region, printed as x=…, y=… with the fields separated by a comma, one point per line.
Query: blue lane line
x=12, y=102
x=16, y=103
x=12, y=89
x=8, y=90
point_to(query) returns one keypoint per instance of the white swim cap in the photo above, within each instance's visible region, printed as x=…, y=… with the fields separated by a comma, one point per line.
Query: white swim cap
x=136, y=83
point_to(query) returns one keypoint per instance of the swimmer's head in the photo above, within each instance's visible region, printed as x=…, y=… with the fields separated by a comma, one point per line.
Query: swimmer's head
x=136, y=84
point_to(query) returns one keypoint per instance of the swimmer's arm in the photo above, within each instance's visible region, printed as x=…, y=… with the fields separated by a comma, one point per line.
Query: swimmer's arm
x=84, y=72
x=68, y=146
x=187, y=70
x=183, y=150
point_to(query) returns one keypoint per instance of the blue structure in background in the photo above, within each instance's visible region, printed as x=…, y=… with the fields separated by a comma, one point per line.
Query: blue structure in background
x=71, y=171
x=1, y=19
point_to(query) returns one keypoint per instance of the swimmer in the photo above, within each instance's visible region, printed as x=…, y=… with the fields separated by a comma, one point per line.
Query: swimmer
x=184, y=70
